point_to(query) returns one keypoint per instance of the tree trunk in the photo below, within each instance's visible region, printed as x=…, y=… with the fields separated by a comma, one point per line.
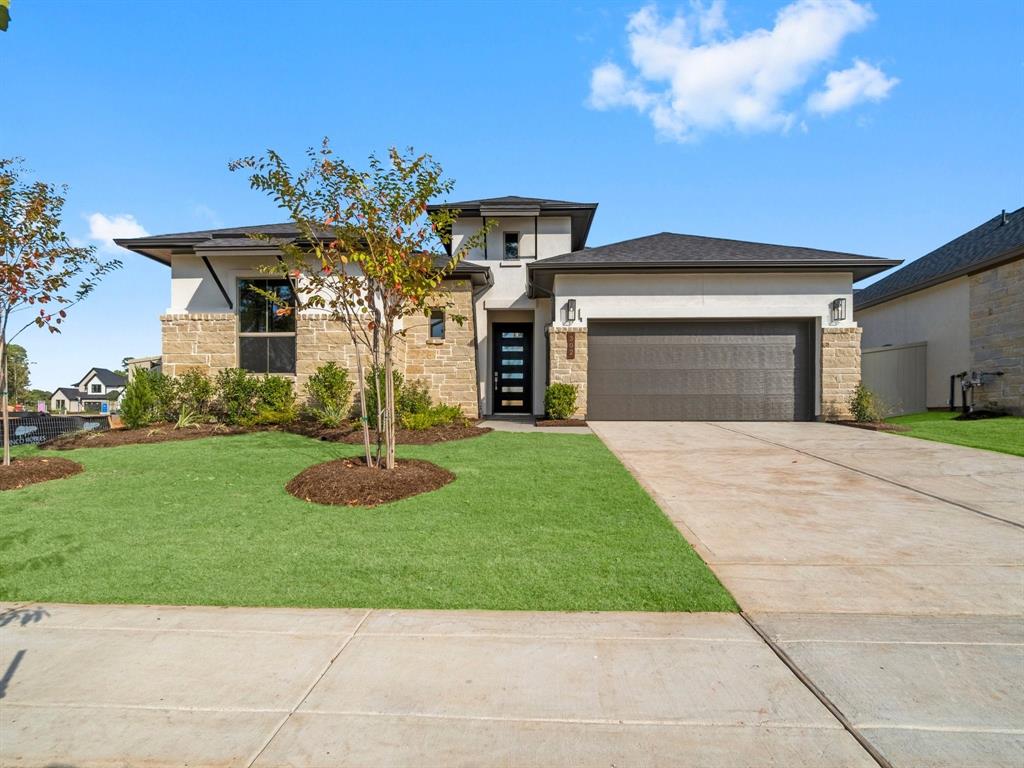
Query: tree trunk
x=389, y=409
x=364, y=416
x=6, y=415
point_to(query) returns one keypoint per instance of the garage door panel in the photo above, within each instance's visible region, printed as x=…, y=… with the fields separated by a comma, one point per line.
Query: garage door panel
x=720, y=370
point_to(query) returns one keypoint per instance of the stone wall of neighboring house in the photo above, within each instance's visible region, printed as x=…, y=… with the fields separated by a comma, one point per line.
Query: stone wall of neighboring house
x=448, y=365
x=566, y=370
x=997, y=335
x=840, y=370
x=203, y=340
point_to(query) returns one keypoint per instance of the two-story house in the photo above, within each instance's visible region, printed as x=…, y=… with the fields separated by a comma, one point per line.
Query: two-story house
x=668, y=326
x=97, y=387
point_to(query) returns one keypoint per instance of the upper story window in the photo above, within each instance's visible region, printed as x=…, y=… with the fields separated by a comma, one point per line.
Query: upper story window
x=266, y=333
x=437, y=324
x=95, y=389
x=511, y=251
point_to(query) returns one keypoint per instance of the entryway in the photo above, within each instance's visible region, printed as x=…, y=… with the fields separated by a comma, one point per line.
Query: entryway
x=511, y=367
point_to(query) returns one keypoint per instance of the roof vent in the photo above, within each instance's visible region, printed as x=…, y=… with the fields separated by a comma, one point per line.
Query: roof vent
x=1004, y=219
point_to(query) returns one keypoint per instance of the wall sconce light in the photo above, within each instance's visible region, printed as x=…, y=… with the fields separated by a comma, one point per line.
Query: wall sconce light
x=570, y=311
x=838, y=309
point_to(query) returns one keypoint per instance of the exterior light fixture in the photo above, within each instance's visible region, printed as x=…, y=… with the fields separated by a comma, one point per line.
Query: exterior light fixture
x=838, y=309
x=570, y=311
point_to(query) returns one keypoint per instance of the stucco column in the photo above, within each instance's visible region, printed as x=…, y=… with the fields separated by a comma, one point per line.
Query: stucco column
x=568, y=362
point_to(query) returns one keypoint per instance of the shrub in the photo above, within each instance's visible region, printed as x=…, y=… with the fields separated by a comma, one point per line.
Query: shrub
x=434, y=416
x=164, y=398
x=412, y=397
x=237, y=393
x=139, y=407
x=560, y=400
x=330, y=394
x=193, y=391
x=418, y=421
x=275, y=401
x=864, y=405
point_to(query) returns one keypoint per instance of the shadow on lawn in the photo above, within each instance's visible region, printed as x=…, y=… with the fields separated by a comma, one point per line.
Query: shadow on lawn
x=34, y=562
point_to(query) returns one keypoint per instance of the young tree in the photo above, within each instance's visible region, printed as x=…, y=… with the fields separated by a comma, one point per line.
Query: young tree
x=17, y=372
x=40, y=268
x=367, y=254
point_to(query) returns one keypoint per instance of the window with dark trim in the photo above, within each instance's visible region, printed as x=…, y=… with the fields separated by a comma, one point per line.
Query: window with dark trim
x=95, y=389
x=511, y=246
x=266, y=330
x=437, y=324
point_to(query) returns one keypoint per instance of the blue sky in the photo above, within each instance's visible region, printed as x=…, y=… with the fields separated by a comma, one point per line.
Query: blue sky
x=885, y=129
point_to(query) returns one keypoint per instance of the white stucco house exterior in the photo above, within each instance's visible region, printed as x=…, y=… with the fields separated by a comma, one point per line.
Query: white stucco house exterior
x=961, y=307
x=668, y=326
x=98, y=386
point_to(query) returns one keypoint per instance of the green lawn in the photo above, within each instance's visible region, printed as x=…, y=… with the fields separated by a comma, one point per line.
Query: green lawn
x=1005, y=435
x=533, y=521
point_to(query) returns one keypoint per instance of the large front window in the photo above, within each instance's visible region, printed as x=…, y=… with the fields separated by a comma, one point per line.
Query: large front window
x=266, y=332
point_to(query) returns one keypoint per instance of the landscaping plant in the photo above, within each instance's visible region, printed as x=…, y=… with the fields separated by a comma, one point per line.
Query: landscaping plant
x=366, y=256
x=864, y=405
x=330, y=394
x=246, y=399
x=140, y=405
x=42, y=273
x=560, y=400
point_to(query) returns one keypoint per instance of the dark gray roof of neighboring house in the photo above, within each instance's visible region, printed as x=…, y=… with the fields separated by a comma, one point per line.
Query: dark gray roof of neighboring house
x=69, y=393
x=208, y=242
x=984, y=246
x=581, y=214
x=670, y=252
x=106, y=376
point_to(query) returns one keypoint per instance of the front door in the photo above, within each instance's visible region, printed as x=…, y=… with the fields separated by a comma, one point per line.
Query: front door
x=512, y=368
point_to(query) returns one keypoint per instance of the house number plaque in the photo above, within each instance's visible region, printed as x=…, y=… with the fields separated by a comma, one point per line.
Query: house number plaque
x=570, y=346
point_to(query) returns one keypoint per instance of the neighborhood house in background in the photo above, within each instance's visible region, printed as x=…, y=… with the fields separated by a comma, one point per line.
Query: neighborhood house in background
x=98, y=387
x=667, y=326
x=957, y=310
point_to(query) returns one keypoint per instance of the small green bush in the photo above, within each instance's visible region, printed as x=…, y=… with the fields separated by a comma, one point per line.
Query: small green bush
x=410, y=396
x=434, y=416
x=418, y=421
x=193, y=391
x=864, y=405
x=275, y=404
x=163, y=390
x=139, y=407
x=330, y=395
x=236, y=395
x=413, y=397
x=560, y=400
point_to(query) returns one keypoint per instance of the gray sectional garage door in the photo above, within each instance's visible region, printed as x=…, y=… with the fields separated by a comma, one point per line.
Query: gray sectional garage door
x=693, y=371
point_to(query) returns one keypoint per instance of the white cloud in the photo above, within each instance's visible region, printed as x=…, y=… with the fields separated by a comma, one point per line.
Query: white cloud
x=690, y=76
x=106, y=228
x=844, y=88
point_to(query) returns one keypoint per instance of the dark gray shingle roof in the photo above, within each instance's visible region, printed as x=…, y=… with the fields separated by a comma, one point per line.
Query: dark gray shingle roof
x=512, y=201
x=69, y=393
x=108, y=378
x=984, y=245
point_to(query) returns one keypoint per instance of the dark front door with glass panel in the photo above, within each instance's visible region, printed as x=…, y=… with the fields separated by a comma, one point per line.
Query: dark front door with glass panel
x=512, y=373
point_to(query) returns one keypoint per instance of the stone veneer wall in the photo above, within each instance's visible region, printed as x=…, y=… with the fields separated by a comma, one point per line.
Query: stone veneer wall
x=840, y=370
x=569, y=371
x=319, y=340
x=997, y=335
x=203, y=340
x=448, y=365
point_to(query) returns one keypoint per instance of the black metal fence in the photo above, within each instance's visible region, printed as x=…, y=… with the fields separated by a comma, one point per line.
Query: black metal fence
x=34, y=428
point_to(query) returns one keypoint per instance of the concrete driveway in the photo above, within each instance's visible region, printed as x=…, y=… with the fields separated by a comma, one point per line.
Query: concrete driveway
x=888, y=570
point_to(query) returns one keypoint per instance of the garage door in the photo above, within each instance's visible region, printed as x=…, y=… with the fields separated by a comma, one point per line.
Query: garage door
x=694, y=371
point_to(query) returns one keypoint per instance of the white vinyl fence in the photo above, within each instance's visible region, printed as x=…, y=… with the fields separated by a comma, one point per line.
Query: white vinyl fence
x=897, y=376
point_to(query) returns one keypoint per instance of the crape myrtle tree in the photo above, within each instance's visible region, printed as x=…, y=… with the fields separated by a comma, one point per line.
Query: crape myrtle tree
x=42, y=273
x=368, y=254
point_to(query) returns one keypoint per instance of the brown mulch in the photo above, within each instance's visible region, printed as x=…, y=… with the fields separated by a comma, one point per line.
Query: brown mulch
x=874, y=426
x=352, y=434
x=561, y=423
x=351, y=483
x=37, y=469
x=156, y=433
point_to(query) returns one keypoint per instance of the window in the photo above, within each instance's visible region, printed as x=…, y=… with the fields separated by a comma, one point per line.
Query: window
x=266, y=334
x=61, y=404
x=512, y=246
x=437, y=324
x=95, y=389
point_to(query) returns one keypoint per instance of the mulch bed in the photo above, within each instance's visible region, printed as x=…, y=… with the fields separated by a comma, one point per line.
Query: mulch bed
x=37, y=469
x=156, y=433
x=349, y=482
x=352, y=434
x=874, y=426
x=561, y=423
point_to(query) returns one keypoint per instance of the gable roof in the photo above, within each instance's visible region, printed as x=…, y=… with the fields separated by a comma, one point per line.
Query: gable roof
x=671, y=252
x=999, y=239
x=581, y=214
x=106, y=376
x=68, y=393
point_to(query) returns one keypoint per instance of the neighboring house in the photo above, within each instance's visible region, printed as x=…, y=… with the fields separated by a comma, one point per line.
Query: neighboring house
x=661, y=327
x=99, y=385
x=151, y=363
x=964, y=304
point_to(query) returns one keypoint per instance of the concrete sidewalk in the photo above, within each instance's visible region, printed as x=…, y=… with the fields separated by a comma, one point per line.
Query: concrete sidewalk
x=131, y=685
x=874, y=561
